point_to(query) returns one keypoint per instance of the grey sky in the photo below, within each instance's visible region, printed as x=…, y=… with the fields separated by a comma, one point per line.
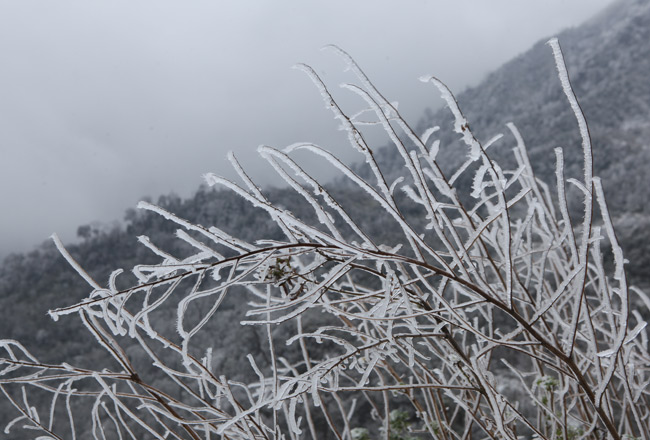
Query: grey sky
x=102, y=103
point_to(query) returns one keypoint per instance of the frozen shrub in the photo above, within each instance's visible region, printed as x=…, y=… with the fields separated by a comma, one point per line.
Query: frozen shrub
x=477, y=288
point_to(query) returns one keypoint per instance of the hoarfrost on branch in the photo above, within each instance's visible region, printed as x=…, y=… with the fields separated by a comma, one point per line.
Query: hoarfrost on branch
x=493, y=283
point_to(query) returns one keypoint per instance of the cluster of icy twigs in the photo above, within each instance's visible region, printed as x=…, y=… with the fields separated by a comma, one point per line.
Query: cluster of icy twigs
x=497, y=279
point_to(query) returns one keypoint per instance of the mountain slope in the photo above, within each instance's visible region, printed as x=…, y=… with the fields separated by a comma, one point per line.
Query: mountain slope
x=608, y=59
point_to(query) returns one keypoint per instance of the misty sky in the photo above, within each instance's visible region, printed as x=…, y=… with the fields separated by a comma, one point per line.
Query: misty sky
x=102, y=103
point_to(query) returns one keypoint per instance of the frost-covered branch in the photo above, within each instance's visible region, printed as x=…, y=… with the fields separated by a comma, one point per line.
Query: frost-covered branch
x=484, y=312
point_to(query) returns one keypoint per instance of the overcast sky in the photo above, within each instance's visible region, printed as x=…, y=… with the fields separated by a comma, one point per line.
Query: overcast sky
x=102, y=103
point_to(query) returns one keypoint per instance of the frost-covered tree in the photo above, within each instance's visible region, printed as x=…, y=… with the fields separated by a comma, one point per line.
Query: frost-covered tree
x=481, y=310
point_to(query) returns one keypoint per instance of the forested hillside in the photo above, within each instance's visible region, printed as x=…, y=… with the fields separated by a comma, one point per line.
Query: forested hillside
x=609, y=62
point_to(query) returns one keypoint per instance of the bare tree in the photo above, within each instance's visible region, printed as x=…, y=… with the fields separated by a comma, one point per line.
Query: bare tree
x=488, y=314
